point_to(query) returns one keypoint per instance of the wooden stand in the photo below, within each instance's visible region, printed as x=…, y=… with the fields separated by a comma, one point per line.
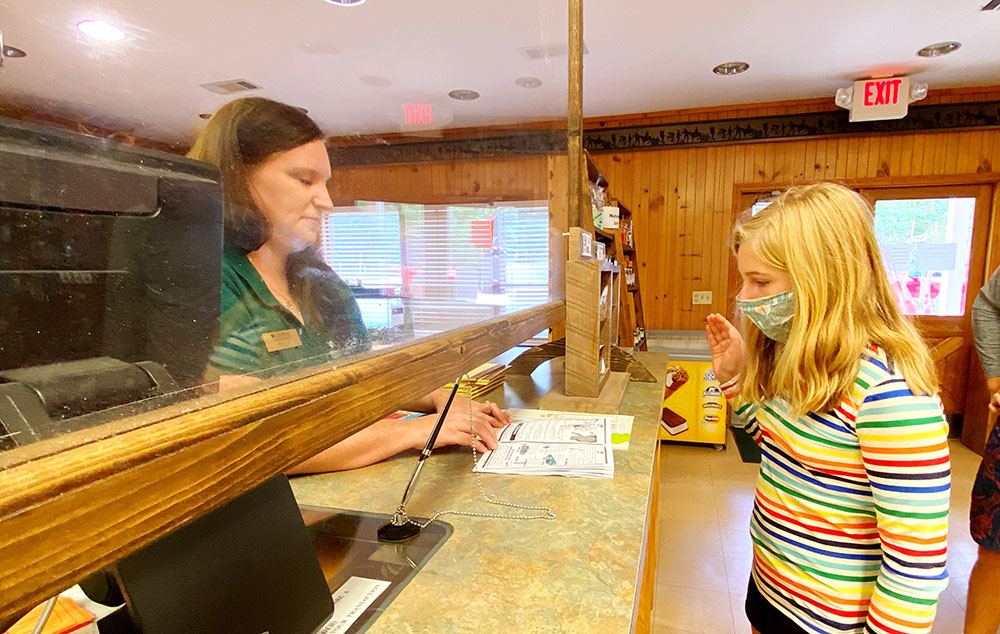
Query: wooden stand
x=593, y=298
x=591, y=325
x=607, y=402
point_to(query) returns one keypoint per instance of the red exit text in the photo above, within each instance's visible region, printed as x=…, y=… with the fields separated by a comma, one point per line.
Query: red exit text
x=417, y=114
x=882, y=92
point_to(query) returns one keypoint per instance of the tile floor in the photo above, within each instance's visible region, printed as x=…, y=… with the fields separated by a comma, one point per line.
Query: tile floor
x=706, y=497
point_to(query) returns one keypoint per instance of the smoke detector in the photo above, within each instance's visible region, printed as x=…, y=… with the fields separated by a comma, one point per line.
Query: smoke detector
x=230, y=86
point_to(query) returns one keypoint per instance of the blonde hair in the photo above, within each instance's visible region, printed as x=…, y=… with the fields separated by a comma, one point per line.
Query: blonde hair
x=822, y=235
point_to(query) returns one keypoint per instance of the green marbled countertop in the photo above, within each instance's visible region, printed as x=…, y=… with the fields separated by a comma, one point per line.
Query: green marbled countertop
x=577, y=573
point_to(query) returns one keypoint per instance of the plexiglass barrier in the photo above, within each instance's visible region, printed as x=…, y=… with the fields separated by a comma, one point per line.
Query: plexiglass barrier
x=198, y=197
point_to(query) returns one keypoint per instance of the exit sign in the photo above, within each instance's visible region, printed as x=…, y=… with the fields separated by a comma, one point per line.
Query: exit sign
x=417, y=114
x=877, y=99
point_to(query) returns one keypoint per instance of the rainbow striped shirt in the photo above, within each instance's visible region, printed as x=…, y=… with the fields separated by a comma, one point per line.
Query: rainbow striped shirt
x=850, y=520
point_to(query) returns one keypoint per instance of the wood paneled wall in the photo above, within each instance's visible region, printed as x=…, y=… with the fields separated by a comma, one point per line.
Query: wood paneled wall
x=769, y=109
x=683, y=200
x=484, y=180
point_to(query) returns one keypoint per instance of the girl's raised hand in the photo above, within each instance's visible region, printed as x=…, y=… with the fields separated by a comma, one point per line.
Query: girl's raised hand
x=726, y=345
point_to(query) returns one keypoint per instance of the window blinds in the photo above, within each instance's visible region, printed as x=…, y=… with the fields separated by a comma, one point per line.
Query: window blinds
x=452, y=265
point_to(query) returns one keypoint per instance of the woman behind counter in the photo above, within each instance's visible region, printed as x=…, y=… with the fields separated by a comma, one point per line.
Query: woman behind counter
x=282, y=306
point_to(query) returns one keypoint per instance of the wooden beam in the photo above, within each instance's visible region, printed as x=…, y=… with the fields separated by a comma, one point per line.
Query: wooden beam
x=73, y=512
x=574, y=143
x=960, y=116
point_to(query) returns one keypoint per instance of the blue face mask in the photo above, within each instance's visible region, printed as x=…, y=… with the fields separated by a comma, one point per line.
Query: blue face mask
x=772, y=314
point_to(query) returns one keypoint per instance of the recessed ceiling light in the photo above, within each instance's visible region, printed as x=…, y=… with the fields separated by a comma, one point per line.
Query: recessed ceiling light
x=939, y=49
x=346, y=3
x=10, y=51
x=100, y=30
x=731, y=68
x=464, y=95
x=528, y=82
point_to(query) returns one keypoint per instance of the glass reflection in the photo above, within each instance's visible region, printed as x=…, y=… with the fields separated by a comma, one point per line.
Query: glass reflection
x=134, y=277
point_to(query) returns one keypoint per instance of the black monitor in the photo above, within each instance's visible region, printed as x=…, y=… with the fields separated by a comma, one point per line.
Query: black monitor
x=247, y=567
x=107, y=251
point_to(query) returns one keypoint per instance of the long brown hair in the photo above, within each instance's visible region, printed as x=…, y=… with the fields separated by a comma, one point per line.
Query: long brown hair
x=242, y=135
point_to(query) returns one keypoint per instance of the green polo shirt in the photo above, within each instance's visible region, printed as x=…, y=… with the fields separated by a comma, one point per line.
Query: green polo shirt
x=250, y=313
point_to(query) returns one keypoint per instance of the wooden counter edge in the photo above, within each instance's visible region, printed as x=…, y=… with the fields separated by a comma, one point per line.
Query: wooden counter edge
x=73, y=512
x=645, y=589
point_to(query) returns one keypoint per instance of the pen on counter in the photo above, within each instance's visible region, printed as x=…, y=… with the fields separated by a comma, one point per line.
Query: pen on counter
x=401, y=527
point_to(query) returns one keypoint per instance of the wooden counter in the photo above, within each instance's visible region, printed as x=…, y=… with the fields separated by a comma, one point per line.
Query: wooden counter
x=589, y=570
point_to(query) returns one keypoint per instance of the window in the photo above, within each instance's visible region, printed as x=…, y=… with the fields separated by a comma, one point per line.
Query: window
x=432, y=268
x=366, y=249
x=926, y=246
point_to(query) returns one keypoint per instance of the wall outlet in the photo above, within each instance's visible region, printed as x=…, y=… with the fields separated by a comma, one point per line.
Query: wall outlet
x=701, y=297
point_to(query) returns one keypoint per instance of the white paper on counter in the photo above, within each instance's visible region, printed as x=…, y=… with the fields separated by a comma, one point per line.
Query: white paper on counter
x=541, y=442
x=350, y=601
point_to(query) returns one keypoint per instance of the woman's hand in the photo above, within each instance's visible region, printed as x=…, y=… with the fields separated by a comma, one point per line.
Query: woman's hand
x=726, y=344
x=486, y=419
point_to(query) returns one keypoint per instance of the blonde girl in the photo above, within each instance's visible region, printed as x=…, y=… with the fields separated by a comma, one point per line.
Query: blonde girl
x=850, y=516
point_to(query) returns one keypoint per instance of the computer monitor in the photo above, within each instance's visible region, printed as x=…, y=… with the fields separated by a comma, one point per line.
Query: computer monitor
x=106, y=251
x=248, y=567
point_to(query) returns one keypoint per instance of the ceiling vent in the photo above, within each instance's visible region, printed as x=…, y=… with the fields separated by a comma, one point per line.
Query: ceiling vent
x=320, y=49
x=230, y=86
x=992, y=5
x=548, y=51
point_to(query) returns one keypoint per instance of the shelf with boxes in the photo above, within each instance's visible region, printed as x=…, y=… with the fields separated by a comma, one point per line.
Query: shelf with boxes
x=619, y=244
x=593, y=299
x=614, y=227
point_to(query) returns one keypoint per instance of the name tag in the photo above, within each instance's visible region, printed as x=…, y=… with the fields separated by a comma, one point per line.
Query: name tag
x=281, y=340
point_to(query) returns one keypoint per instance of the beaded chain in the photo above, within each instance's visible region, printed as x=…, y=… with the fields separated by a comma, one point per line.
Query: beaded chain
x=547, y=514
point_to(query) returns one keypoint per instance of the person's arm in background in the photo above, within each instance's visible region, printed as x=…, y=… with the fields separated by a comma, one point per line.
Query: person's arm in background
x=986, y=334
x=388, y=437
x=904, y=447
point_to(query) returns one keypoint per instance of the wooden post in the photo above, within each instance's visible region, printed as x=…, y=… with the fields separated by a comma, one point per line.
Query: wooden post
x=577, y=162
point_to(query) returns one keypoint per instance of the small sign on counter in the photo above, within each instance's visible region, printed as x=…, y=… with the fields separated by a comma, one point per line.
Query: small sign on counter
x=350, y=602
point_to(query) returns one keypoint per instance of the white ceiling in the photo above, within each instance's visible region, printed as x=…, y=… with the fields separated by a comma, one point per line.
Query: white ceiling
x=644, y=55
